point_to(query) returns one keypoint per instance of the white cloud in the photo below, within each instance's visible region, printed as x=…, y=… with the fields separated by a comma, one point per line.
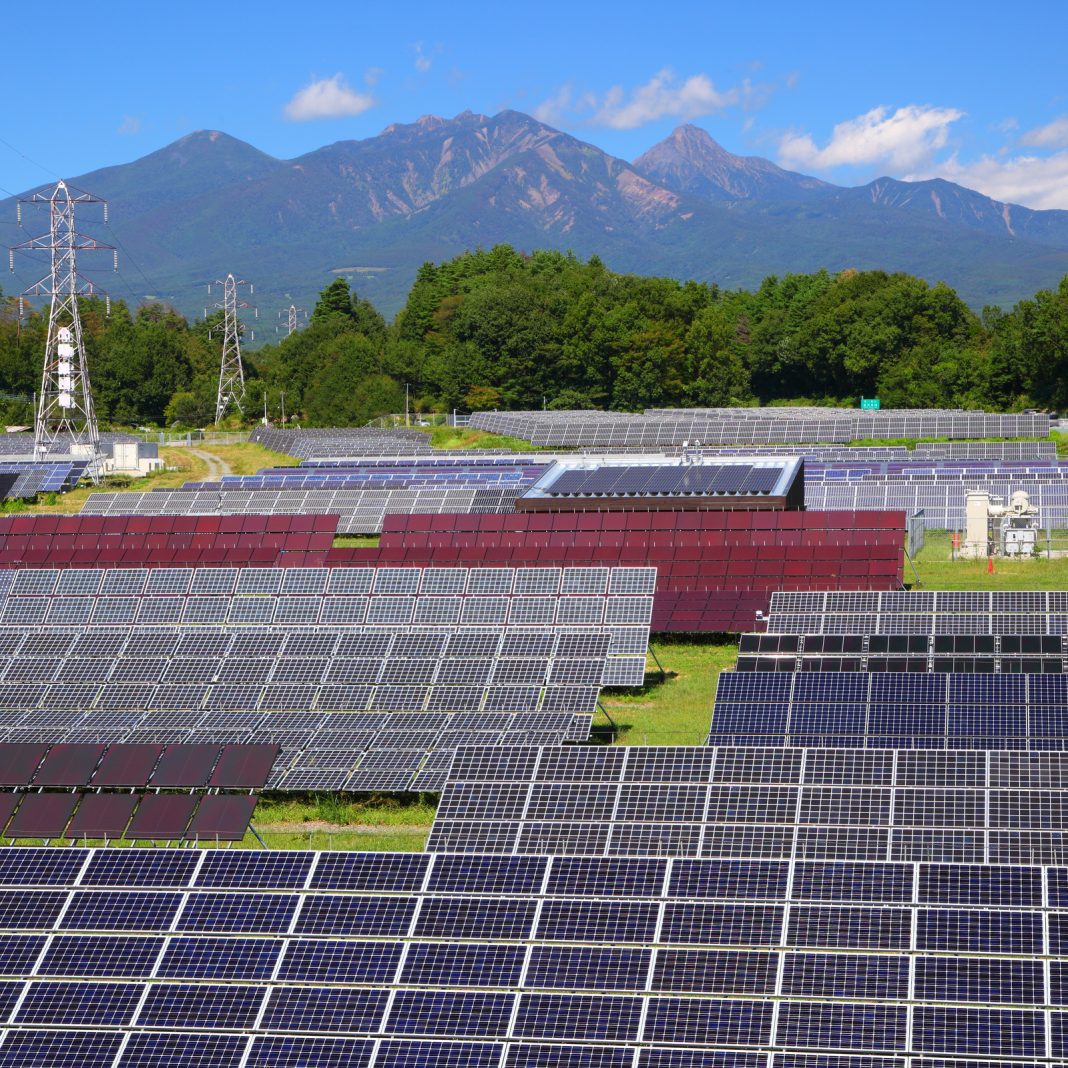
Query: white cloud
x=663, y=96
x=373, y=75
x=1033, y=181
x=906, y=139
x=422, y=62
x=554, y=109
x=328, y=98
x=1053, y=135
x=129, y=126
x=660, y=97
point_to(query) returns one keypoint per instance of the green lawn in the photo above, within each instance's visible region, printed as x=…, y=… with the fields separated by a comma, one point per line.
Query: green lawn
x=937, y=571
x=675, y=710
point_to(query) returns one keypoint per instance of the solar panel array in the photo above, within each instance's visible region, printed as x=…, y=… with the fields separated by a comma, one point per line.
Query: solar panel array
x=715, y=570
x=942, y=503
x=960, y=806
x=987, y=450
x=41, y=476
x=920, y=612
x=891, y=710
x=383, y=669
x=664, y=480
x=358, y=511
x=86, y=541
x=751, y=425
x=232, y=958
x=618, y=599
x=342, y=441
x=979, y=653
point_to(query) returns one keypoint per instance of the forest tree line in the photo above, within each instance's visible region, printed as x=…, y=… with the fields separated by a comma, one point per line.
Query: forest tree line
x=500, y=329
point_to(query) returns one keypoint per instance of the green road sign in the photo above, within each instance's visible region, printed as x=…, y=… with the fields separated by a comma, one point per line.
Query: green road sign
x=869, y=403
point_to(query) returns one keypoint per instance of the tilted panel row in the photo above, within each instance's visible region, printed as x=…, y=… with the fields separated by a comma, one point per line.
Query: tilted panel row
x=891, y=710
x=993, y=654
x=919, y=612
x=358, y=511
x=134, y=957
x=956, y=806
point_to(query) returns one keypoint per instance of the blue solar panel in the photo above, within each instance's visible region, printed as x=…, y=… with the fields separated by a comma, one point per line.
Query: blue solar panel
x=370, y=871
x=43, y=867
x=976, y=884
x=333, y=961
x=711, y=971
x=727, y=925
x=238, y=912
x=488, y=875
x=450, y=1012
x=588, y=967
x=397, y=1054
x=294, y=1008
x=172, y=1051
x=293, y=1051
x=457, y=917
x=208, y=1005
x=219, y=958
x=276, y=870
x=356, y=916
x=975, y=931
x=18, y=952
x=84, y=1004
x=728, y=879
x=578, y=1016
x=538, y=1056
x=877, y=1027
x=685, y=1020
x=632, y=876
x=126, y=956
x=444, y=964
x=990, y=1032
x=59, y=1049
x=140, y=867
x=597, y=921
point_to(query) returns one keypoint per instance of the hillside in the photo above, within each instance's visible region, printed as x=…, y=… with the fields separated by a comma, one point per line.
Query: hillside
x=376, y=209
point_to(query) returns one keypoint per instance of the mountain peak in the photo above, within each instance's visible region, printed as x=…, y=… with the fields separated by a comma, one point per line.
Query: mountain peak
x=690, y=160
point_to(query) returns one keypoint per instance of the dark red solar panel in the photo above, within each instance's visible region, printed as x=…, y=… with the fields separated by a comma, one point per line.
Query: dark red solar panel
x=162, y=817
x=244, y=767
x=223, y=817
x=42, y=816
x=102, y=816
x=185, y=765
x=68, y=765
x=18, y=762
x=127, y=765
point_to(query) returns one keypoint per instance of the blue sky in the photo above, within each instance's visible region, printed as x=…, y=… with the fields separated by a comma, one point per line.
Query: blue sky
x=974, y=92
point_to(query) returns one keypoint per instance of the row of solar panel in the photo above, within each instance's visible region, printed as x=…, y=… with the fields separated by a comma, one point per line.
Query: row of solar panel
x=322, y=750
x=736, y=479
x=740, y=841
x=33, y=476
x=137, y=817
x=233, y=1012
x=948, y=602
x=230, y=767
x=904, y=644
x=370, y=582
x=47, y=524
x=943, y=505
x=752, y=523
x=773, y=766
x=224, y=644
x=358, y=511
x=920, y=665
x=977, y=624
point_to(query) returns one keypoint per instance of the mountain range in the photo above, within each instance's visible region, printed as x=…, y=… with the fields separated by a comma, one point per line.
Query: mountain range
x=376, y=209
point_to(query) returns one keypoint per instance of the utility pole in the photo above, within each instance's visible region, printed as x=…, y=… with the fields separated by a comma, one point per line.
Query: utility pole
x=231, y=371
x=64, y=406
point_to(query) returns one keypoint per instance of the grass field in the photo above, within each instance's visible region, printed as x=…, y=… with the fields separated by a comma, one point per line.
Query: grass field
x=458, y=437
x=937, y=571
x=182, y=465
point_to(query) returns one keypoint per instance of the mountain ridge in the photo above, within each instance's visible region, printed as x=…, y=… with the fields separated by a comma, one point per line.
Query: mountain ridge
x=380, y=206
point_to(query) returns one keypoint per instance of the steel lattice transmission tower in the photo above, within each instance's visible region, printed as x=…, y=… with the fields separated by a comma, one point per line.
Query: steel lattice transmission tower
x=65, y=404
x=292, y=323
x=231, y=372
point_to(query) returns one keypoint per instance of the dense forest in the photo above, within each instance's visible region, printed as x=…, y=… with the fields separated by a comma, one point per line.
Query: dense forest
x=499, y=329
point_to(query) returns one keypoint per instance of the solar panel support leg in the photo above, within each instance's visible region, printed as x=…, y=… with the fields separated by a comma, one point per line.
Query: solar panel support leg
x=615, y=729
x=919, y=581
x=652, y=653
x=258, y=837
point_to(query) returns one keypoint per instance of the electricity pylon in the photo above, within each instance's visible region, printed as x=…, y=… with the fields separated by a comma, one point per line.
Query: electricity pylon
x=292, y=319
x=65, y=404
x=231, y=371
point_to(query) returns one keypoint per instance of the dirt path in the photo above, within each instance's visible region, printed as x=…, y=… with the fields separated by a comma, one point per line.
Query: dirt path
x=217, y=467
